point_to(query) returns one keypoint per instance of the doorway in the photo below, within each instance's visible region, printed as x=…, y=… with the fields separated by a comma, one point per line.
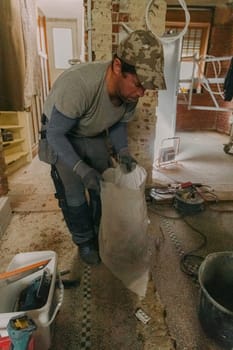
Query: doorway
x=62, y=37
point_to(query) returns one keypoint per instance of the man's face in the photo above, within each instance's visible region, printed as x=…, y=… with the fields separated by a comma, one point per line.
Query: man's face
x=129, y=87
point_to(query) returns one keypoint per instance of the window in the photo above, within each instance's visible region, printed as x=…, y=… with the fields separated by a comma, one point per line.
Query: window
x=195, y=43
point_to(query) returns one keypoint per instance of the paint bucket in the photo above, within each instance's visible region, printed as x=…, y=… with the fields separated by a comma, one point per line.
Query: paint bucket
x=216, y=297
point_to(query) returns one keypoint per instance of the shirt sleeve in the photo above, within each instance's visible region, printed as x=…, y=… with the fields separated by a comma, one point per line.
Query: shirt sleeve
x=58, y=127
x=118, y=136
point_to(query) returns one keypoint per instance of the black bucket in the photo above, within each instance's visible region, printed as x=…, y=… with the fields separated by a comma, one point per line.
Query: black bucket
x=216, y=297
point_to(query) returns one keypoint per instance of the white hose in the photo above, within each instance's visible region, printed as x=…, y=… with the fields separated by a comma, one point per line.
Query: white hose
x=167, y=40
x=126, y=28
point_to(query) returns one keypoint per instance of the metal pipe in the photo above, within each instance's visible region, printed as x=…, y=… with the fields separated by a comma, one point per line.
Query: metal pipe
x=213, y=59
x=210, y=92
x=192, y=82
x=207, y=108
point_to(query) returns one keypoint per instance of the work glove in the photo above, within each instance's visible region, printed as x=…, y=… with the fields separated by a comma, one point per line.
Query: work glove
x=90, y=177
x=126, y=161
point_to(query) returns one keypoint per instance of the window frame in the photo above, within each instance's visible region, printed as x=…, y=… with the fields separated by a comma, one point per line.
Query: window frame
x=205, y=27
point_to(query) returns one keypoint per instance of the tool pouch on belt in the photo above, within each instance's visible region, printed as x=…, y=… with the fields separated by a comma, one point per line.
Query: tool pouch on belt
x=45, y=150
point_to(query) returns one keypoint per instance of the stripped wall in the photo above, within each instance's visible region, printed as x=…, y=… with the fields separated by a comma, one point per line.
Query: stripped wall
x=107, y=31
x=220, y=45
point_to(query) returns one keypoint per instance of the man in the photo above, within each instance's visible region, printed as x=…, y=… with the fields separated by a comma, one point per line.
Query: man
x=88, y=106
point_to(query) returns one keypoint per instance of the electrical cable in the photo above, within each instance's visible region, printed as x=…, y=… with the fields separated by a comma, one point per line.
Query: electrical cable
x=204, y=193
x=157, y=212
x=163, y=39
x=189, y=262
x=189, y=258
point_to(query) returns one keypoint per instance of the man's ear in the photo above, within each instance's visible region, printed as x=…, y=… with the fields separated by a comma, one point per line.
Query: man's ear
x=117, y=66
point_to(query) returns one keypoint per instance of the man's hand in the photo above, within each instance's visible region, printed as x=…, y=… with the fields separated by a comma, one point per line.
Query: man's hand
x=90, y=177
x=126, y=161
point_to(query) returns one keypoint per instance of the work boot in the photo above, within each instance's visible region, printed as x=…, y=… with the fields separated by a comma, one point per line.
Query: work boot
x=88, y=253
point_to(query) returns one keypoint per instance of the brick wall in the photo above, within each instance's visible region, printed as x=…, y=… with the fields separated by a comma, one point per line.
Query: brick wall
x=102, y=29
x=107, y=31
x=193, y=120
x=142, y=129
x=106, y=18
x=221, y=44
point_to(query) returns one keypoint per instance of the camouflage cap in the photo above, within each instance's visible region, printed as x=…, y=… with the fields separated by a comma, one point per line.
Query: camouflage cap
x=144, y=51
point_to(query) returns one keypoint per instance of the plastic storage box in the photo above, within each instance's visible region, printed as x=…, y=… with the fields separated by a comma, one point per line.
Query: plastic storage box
x=5, y=344
x=43, y=316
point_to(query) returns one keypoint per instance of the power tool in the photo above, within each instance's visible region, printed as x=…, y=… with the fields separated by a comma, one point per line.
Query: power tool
x=20, y=329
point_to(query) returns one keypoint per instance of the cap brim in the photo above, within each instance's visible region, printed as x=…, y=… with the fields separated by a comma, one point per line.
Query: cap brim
x=152, y=80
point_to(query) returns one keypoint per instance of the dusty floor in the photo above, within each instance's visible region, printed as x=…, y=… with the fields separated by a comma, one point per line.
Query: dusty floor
x=100, y=312
x=201, y=159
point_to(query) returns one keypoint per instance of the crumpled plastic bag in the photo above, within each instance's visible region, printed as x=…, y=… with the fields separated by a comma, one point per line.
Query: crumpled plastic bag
x=123, y=238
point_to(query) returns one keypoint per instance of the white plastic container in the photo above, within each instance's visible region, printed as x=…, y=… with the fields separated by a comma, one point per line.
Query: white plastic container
x=44, y=316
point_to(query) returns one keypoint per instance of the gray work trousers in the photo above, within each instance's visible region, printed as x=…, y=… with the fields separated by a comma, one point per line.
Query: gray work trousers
x=94, y=152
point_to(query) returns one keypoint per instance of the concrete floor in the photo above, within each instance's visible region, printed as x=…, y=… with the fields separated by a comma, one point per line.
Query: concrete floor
x=201, y=159
x=100, y=312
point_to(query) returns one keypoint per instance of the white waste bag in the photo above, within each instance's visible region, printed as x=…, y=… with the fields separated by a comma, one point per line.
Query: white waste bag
x=123, y=237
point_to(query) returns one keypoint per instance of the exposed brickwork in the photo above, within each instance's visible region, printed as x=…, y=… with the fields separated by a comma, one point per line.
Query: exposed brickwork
x=202, y=119
x=123, y=17
x=102, y=30
x=221, y=44
x=115, y=6
x=107, y=17
x=137, y=14
x=116, y=20
x=142, y=129
x=142, y=132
